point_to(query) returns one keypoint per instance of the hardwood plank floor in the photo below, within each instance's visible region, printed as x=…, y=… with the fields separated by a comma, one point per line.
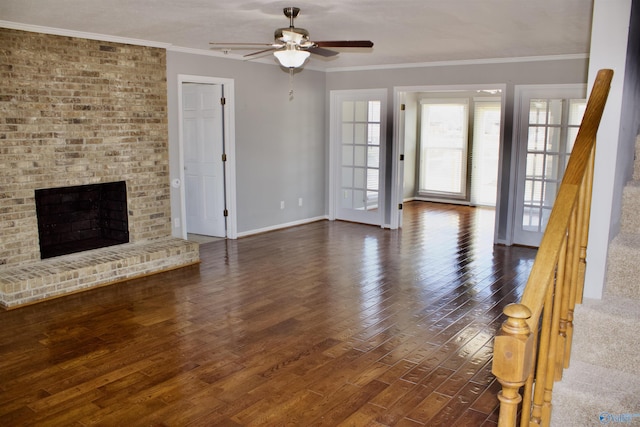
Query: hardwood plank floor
x=325, y=324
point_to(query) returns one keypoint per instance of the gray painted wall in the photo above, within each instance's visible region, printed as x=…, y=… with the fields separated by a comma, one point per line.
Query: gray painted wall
x=510, y=73
x=280, y=143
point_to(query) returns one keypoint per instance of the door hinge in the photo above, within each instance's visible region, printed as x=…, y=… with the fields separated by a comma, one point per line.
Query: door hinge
x=224, y=157
x=402, y=107
x=225, y=212
x=400, y=206
x=401, y=157
x=223, y=101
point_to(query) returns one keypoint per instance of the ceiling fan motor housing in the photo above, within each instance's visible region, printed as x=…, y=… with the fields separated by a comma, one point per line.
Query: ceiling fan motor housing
x=298, y=36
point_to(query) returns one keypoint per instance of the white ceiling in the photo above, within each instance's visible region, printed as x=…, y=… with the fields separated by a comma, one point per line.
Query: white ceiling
x=403, y=31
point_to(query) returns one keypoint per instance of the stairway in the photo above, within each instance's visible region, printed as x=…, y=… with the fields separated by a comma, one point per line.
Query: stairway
x=602, y=385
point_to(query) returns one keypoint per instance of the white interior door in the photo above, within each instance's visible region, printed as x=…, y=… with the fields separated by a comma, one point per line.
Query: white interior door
x=358, y=129
x=202, y=126
x=549, y=118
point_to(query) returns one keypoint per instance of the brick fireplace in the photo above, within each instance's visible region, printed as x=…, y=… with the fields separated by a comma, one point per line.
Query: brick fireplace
x=77, y=112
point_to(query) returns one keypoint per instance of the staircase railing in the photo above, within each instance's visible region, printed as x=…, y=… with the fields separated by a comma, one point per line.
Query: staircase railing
x=533, y=346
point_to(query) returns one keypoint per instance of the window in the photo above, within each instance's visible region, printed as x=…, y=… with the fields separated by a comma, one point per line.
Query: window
x=443, y=147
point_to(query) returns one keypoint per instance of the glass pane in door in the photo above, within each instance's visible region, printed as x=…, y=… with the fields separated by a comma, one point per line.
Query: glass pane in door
x=360, y=148
x=357, y=155
x=553, y=126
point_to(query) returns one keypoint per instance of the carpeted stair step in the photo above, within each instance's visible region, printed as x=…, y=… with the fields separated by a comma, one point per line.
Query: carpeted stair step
x=591, y=395
x=623, y=271
x=605, y=334
x=630, y=221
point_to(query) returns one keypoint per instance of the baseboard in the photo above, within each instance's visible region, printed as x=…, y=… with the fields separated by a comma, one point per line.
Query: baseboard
x=281, y=226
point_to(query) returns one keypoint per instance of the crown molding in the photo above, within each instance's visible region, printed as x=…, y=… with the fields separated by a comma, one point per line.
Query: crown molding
x=203, y=52
x=81, y=34
x=461, y=62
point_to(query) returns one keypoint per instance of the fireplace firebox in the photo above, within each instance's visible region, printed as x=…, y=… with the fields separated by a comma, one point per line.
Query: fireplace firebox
x=79, y=218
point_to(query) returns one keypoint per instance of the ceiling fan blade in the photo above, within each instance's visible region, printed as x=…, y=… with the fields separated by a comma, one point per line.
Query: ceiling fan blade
x=322, y=51
x=260, y=52
x=345, y=43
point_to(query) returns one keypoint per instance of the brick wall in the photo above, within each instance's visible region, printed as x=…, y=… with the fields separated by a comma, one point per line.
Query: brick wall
x=76, y=111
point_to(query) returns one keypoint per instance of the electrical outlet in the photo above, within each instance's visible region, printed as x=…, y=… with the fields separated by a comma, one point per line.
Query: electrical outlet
x=282, y=204
x=299, y=201
x=176, y=222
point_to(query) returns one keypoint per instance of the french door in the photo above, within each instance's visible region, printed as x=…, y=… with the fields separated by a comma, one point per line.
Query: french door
x=358, y=122
x=548, y=122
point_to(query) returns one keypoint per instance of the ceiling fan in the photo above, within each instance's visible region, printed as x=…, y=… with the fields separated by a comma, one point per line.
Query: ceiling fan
x=292, y=46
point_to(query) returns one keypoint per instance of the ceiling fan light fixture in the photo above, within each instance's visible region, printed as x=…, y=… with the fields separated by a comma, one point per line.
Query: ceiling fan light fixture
x=291, y=56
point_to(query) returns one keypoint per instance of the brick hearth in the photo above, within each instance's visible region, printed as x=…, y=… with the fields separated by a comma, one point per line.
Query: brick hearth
x=53, y=277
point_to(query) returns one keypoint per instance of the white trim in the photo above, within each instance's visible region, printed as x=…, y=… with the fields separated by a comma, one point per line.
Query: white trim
x=397, y=166
x=447, y=201
x=230, y=149
x=461, y=62
x=194, y=51
x=453, y=88
x=333, y=159
x=281, y=226
x=81, y=34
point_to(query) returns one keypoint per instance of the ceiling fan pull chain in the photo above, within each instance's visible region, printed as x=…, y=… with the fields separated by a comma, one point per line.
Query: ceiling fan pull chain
x=290, y=83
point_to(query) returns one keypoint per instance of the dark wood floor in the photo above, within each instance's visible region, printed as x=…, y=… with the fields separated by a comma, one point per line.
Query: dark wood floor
x=329, y=323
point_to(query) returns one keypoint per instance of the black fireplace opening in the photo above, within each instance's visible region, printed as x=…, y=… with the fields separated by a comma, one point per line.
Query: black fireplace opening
x=83, y=217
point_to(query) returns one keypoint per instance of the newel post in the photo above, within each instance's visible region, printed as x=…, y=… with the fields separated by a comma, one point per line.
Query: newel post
x=512, y=360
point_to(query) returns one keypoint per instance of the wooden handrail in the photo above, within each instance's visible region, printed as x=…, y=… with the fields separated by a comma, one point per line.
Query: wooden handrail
x=534, y=344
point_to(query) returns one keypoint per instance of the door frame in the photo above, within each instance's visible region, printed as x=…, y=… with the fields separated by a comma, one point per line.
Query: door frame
x=397, y=165
x=229, y=149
